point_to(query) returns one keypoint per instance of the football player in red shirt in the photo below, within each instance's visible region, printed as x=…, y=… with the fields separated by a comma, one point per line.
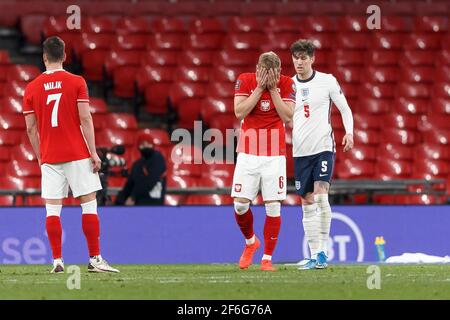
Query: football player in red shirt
x=264, y=101
x=61, y=131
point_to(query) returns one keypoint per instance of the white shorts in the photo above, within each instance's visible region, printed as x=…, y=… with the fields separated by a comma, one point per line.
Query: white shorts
x=252, y=171
x=56, y=179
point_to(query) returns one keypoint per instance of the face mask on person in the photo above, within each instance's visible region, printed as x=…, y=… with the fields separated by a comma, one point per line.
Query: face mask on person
x=147, y=152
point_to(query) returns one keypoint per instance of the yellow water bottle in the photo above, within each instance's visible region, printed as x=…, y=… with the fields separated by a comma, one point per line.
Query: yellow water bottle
x=379, y=246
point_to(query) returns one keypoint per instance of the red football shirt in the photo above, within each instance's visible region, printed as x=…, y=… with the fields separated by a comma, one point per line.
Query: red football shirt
x=262, y=130
x=54, y=97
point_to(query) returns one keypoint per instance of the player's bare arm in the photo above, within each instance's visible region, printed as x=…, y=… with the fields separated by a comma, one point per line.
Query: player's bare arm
x=87, y=125
x=347, y=142
x=284, y=109
x=244, y=105
x=33, y=134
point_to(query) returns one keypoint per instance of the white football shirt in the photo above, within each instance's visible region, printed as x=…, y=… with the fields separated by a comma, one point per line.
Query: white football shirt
x=312, y=132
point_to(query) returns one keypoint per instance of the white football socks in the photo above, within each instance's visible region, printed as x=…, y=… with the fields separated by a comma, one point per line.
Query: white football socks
x=324, y=217
x=311, y=227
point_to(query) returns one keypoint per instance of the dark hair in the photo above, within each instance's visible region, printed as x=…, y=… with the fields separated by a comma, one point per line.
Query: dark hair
x=303, y=46
x=54, y=49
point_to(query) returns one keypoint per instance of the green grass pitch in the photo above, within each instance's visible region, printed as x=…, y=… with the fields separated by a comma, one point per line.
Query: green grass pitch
x=225, y=281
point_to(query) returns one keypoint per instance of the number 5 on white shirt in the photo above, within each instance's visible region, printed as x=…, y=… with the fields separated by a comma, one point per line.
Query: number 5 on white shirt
x=54, y=97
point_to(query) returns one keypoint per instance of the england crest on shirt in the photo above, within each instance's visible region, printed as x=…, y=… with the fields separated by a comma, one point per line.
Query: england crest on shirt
x=305, y=92
x=265, y=105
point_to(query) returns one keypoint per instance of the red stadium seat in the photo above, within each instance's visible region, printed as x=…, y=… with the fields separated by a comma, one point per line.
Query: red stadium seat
x=282, y=24
x=382, y=57
x=413, y=90
x=207, y=41
x=5, y=154
x=279, y=41
x=221, y=90
x=387, y=41
x=440, y=105
x=11, y=105
x=443, y=58
x=370, y=137
x=236, y=58
x=214, y=106
x=327, y=8
x=388, y=169
x=99, y=24
x=4, y=57
x=22, y=72
x=437, y=136
x=209, y=199
x=174, y=199
x=350, y=90
x=156, y=96
x=381, y=74
x=186, y=98
x=374, y=106
x=347, y=74
x=318, y=24
x=124, y=121
x=378, y=91
x=94, y=50
x=224, y=170
x=187, y=161
x=423, y=41
x=214, y=181
x=206, y=25
x=182, y=182
x=159, y=137
x=182, y=9
x=131, y=42
x=346, y=58
x=14, y=89
x=113, y=137
x=154, y=74
x=400, y=120
x=434, y=121
x=23, y=152
x=133, y=25
x=355, y=169
x=352, y=23
x=262, y=9
x=416, y=58
x=196, y=58
x=166, y=41
x=11, y=137
x=351, y=41
x=228, y=73
x=291, y=8
x=160, y=58
x=431, y=23
x=441, y=89
x=429, y=169
x=410, y=106
x=12, y=122
x=244, y=24
x=244, y=41
x=365, y=121
x=417, y=74
x=359, y=152
x=432, y=151
x=98, y=105
x=225, y=121
x=395, y=24
x=6, y=201
x=398, y=136
x=23, y=169
x=442, y=74
x=395, y=151
x=120, y=58
x=192, y=74
x=168, y=25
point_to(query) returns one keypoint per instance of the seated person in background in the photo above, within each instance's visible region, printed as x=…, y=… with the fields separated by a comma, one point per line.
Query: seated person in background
x=146, y=182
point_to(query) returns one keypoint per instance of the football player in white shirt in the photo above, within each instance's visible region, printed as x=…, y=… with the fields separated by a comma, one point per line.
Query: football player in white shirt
x=314, y=147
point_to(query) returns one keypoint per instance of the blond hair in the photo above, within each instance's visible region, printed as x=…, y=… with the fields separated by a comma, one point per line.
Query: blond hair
x=269, y=60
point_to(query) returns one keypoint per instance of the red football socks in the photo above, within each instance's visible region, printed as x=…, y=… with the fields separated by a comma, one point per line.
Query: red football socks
x=245, y=222
x=271, y=231
x=91, y=229
x=54, y=233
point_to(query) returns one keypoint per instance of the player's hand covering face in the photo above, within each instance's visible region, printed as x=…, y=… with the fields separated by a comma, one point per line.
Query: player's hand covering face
x=261, y=77
x=347, y=142
x=273, y=78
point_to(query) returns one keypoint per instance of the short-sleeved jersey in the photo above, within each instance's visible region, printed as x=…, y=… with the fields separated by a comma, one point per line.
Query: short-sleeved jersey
x=54, y=97
x=262, y=130
x=312, y=132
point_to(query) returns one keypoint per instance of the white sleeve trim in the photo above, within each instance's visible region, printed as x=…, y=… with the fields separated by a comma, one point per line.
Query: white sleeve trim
x=27, y=112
